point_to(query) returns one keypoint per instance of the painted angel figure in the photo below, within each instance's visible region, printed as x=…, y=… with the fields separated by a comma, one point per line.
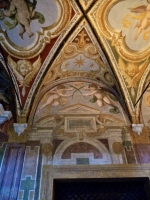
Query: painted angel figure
x=132, y=73
x=100, y=97
x=143, y=17
x=20, y=12
x=24, y=71
x=56, y=96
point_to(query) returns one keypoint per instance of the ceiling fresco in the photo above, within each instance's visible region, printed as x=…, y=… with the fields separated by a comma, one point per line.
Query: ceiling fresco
x=64, y=46
x=81, y=95
x=45, y=21
x=74, y=92
x=124, y=42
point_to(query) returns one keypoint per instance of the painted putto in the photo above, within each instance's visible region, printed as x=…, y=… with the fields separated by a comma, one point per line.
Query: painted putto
x=20, y=12
x=71, y=94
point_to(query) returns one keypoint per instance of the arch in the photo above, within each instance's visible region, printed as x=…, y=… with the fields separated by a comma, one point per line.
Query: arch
x=57, y=159
x=65, y=81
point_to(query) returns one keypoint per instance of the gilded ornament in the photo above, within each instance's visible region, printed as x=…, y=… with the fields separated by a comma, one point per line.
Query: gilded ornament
x=47, y=149
x=132, y=73
x=117, y=147
x=24, y=71
x=82, y=39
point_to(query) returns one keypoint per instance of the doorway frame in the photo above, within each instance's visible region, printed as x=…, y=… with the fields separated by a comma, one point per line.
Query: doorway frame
x=50, y=173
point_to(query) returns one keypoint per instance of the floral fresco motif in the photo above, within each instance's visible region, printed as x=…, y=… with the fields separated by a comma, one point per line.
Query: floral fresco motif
x=80, y=57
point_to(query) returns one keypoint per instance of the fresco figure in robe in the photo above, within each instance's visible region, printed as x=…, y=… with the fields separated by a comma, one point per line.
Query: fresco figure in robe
x=56, y=96
x=21, y=12
x=142, y=14
x=100, y=97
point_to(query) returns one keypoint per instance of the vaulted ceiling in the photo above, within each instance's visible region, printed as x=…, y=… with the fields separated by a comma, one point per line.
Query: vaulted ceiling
x=67, y=49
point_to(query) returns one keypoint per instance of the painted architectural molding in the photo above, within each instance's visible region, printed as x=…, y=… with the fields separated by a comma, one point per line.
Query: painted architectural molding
x=19, y=128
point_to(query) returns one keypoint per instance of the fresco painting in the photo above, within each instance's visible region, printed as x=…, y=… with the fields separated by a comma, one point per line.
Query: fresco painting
x=89, y=94
x=133, y=22
x=77, y=68
x=80, y=63
x=24, y=71
x=142, y=14
x=26, y=18
x=132, y=72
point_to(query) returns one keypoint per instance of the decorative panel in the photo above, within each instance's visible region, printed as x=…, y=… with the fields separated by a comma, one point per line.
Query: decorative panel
x=129, y=151
x=74, y=123
x=28, y=184
x=11, y=171
x=142, y=153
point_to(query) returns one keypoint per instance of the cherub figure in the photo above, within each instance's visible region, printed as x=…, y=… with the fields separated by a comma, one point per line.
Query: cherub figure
x=144, y=23
x=22, y=12
x=132, y=72
x=24, y=71
x=24, y=67
x=56, y=95
x=100, y=97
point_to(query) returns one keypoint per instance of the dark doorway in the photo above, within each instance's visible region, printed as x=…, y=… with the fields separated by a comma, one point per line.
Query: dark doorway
x=102, y=189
